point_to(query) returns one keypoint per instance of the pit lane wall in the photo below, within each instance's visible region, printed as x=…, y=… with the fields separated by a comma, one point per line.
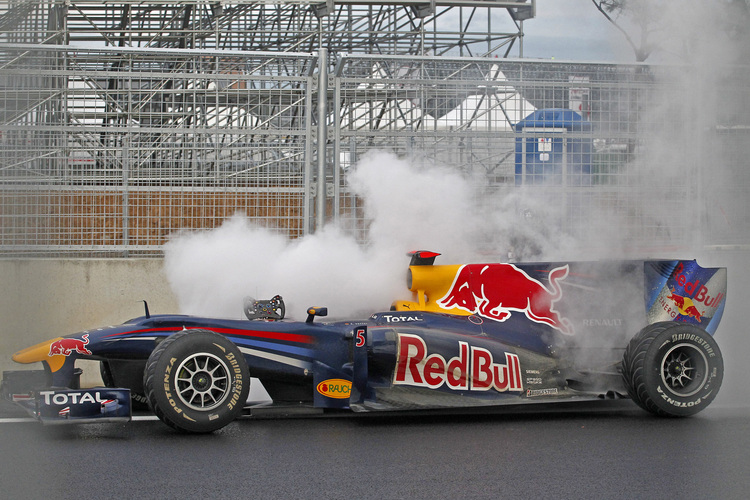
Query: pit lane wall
x=46, y=298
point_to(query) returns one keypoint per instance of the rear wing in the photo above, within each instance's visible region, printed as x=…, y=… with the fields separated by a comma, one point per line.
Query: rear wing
x=681, y=290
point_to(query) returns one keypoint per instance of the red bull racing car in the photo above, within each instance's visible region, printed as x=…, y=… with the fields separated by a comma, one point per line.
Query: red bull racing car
x=473, y=335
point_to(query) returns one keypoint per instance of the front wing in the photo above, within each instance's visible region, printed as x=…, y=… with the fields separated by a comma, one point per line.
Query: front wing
x=63, y=405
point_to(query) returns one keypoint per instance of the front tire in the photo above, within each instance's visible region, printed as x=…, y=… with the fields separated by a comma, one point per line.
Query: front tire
x=673, y=369
x=196, y=381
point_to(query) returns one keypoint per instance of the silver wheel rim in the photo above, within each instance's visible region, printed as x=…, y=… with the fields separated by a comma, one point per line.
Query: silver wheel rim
x=684, y=370
x=202, y=381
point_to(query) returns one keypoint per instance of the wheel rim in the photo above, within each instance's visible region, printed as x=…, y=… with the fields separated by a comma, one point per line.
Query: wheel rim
x=684, y=369
x=202, y=381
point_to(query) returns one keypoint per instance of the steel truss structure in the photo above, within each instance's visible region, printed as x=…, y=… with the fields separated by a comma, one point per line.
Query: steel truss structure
x=438, y=27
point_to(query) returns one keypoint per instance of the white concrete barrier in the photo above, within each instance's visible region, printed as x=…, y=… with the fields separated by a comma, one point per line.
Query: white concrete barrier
x=47, y=298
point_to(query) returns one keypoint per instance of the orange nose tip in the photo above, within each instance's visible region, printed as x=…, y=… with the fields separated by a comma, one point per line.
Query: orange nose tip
x=40, y=352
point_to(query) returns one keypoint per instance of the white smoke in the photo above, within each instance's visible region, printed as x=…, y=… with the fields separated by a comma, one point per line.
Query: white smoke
x=211, y=272
x=411, y=208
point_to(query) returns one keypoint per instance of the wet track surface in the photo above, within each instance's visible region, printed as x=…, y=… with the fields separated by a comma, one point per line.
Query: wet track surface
x=580, y=452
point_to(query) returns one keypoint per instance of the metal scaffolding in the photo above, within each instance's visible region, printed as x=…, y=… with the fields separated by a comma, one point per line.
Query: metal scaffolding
x=438, y=27
x=121, y=123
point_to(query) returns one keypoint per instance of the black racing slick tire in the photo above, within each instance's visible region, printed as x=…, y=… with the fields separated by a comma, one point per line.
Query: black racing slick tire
x=196, y=381
x=673, y=369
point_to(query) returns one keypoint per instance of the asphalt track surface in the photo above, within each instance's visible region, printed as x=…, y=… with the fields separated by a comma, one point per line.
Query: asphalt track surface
x=582, y=452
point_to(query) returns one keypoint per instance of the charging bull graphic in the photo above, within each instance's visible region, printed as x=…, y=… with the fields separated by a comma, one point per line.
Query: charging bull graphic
x=495, y=290
x=66, y=346
x=685, y=305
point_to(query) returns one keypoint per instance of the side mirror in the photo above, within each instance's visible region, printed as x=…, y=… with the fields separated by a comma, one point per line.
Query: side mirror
x=315, y=311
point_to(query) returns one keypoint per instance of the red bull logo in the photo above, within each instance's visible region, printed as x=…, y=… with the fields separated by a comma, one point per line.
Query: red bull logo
x=695, y=290
x=695, y=300
x=473, y=369
x=494, y=291
x=685, y=306
x=691, y=294
x=65, y=347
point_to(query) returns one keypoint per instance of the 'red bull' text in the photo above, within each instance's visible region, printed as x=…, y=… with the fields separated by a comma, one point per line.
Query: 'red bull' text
x=473, y=369
x=694, y=290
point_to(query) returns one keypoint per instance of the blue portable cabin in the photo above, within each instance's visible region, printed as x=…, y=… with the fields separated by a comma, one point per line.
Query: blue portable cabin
x=554, y=148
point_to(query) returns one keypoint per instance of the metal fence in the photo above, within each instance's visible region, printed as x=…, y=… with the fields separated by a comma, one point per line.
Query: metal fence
x=107, y=151
x=652, y=153
x=110, y=151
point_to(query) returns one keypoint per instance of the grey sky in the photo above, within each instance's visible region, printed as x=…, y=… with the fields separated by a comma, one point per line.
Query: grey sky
x=573, y=30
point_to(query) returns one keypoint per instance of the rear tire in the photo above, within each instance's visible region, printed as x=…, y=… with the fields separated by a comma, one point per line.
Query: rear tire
x=196, y=381
x=673, y=369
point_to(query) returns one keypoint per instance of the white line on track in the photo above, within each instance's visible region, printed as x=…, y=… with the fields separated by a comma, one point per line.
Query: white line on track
x=136, y=418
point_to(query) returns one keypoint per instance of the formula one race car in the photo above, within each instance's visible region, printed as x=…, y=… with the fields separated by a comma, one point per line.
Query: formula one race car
x=472, y=335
